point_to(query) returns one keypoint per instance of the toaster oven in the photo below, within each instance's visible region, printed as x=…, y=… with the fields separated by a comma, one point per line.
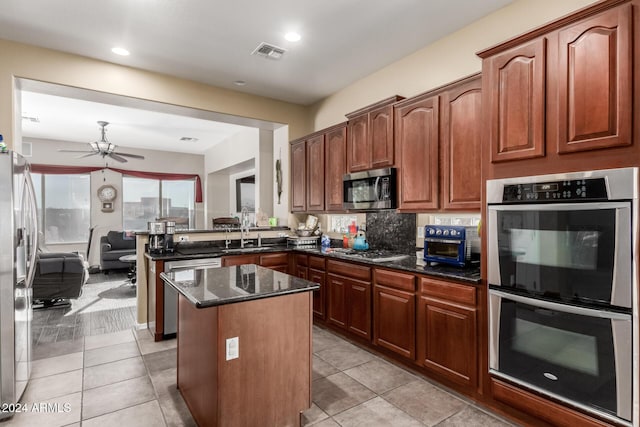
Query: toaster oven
x=451, y=244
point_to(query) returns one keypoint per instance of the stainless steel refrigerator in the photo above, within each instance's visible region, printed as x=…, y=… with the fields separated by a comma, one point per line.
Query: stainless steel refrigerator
x=18, y=245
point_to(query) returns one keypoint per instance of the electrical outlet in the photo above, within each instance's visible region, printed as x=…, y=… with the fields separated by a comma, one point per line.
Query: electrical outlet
x=421, y=232
x=184, y=238
x=233, y=348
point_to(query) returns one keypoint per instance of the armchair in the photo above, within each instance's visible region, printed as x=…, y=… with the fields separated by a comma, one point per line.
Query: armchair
x=113, y=246
x=58, y=277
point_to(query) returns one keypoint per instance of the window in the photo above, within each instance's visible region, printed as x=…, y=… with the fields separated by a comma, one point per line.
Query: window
x=246, y=193
x=145, y=200
x=64, y=207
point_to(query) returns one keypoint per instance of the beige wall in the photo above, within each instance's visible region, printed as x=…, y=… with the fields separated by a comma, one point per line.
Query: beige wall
x=25, y=61
x=442, y=62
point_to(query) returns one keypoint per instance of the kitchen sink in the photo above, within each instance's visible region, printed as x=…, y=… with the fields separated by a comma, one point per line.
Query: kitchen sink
x=248, y=250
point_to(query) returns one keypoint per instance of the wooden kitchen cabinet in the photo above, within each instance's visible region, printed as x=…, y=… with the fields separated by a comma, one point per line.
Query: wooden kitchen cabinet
x=316, y=274
x=300, y=264
x=277, y=261
x=595, y=82
x=417, y=122
x=230, y=260
x=394, y=312
x=349, y=304
x=370, y=137
x=298, y=166
x=335, y=141
x=461, y=145
x=566, y=89
x=516, y=101
x=315, y=173
x=447, y=331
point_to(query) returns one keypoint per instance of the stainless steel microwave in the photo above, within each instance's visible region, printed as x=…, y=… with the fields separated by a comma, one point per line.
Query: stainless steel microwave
x=370, y=190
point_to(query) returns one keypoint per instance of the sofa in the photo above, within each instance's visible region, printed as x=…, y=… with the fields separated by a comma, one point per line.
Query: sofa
x=58, y=277
x=113, y=246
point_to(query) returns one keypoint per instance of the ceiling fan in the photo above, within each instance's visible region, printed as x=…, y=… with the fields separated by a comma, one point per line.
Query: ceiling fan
x=104, y=148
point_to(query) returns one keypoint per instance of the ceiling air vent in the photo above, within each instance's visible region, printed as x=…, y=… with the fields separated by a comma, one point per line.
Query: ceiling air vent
x=269, y=51
x=31, y=119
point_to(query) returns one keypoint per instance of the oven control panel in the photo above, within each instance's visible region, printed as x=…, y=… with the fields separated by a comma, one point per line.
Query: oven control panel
x=575, y=189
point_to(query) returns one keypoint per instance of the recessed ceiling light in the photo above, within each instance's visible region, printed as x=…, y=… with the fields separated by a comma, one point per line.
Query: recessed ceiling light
x=239, y=83
x=120, y=51
x=292, y=36
x=188, y=139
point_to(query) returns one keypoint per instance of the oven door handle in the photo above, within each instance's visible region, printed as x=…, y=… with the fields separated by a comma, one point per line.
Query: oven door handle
x=564, y=308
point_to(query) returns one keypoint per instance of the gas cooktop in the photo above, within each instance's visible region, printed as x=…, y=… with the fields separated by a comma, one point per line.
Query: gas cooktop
x=372, y=255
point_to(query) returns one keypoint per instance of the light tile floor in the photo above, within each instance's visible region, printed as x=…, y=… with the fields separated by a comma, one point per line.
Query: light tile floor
x=125, y=379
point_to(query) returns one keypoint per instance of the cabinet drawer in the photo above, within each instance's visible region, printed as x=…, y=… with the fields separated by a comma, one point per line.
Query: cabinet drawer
x=449, y=291
x=316, y=262
x=269, y=260
x=349, y=270
x=301, y=260
x=393, y=279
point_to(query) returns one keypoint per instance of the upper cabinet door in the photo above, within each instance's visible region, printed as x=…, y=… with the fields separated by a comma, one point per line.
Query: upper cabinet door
x=315, y=173
x=595, y=82
x=336, y=166
x=517, y=102
x=358, y=148
x=461, y=146
x=381, y=137
x=298, y=176
x=417, y=122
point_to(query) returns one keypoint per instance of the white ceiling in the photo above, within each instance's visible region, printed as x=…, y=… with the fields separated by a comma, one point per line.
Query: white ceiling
x=211, y=41
x=74, y=120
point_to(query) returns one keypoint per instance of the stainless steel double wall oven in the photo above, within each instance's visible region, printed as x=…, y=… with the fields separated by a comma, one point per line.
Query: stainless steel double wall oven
x=562, y=279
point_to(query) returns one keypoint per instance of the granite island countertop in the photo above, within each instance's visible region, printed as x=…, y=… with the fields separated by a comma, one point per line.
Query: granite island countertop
x=208, y=287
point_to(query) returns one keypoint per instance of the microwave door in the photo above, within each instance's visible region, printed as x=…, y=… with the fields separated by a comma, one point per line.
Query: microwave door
x=562, y=250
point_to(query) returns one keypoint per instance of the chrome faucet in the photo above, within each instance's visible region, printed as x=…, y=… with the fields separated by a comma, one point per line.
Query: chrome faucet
x=244, y=225
x=227, y=240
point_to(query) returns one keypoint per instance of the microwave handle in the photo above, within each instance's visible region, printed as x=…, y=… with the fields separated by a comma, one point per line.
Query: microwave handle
x=564, y=308
x=375, y=189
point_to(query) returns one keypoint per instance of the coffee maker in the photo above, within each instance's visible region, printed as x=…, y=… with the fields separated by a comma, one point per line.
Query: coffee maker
x=157, y=232
x=170, y=230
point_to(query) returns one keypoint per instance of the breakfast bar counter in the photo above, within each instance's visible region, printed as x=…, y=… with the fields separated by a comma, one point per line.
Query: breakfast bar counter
x=244, y=344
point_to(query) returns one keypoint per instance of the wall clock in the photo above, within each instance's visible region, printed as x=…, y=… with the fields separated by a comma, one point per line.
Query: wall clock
x=107, y=194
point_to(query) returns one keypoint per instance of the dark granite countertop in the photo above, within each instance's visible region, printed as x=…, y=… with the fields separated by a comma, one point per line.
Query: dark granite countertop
x=208, y=287
x=410, y=263
x=223, y=230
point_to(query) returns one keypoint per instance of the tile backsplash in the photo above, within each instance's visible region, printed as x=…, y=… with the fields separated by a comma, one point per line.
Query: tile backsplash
x=392, y=231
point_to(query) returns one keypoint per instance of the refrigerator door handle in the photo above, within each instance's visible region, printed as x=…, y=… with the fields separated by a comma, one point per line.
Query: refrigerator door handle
x=34, y=227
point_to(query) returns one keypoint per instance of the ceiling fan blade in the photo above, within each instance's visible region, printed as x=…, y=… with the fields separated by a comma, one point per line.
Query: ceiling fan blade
x=114, y=156
x=74, y=151
x=133, y=156
x=87, y=155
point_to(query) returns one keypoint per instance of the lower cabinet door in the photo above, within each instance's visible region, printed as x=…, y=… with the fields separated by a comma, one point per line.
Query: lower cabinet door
x=394, y=314
x=319, y=296
x=359, y=308
x=302, y=272
x=336, y=308
x=447, y=343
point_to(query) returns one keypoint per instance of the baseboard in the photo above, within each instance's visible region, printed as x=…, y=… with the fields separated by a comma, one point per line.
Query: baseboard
x=140, y=326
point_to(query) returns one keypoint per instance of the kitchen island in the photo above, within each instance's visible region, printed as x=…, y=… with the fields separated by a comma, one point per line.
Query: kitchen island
x=244, y=345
